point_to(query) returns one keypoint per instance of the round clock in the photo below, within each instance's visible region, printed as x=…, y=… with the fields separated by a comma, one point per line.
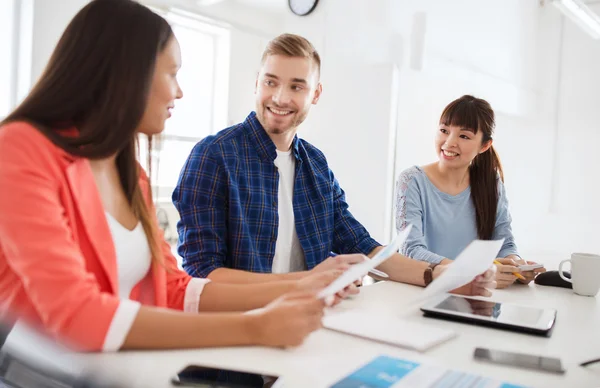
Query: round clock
x=302, y=7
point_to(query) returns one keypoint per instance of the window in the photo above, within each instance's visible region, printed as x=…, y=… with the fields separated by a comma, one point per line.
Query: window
x=7, y=46
x=16, y=25
x=202, y=111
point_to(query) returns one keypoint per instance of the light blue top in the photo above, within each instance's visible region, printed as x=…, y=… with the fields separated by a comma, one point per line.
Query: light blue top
x=443, y=224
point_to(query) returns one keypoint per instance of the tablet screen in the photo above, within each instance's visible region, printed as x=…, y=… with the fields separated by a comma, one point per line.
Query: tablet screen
x=499, y=312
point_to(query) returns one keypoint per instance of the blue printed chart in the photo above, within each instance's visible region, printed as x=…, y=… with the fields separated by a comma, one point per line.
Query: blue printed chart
x=388, y=372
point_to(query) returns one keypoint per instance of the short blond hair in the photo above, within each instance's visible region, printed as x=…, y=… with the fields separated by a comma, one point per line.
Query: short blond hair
x=291, y=45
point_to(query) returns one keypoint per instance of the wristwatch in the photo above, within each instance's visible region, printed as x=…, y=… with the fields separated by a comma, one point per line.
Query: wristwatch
x=428, y=274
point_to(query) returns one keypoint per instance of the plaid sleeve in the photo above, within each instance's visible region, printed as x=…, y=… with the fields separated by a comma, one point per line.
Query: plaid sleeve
x=200, y=199
x=349, y=235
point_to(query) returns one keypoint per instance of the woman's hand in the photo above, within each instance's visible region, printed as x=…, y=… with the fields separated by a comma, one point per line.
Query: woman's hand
x=481, y=285
x=288, y=320
x=505, y=272
x=481, y=307
x=528, y=275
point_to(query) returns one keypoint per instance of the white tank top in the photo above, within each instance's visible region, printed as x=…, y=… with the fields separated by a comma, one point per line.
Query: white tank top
x=133, y=255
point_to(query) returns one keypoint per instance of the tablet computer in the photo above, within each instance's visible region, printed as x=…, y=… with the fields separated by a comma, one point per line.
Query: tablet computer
x=508, y=316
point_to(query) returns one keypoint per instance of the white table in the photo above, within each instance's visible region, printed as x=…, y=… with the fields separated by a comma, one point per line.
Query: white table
x=327, y=356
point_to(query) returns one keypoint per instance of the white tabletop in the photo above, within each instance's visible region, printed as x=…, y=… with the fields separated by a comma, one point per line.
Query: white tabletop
x=327, y=356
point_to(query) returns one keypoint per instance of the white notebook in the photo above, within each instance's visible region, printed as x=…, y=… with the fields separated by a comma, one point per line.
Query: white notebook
x=388, y=329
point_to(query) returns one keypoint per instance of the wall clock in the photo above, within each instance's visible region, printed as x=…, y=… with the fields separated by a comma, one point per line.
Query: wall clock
x=302, y=7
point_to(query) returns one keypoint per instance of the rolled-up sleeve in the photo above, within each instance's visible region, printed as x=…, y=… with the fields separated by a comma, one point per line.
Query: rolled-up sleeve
x=128, y=309
x=120, y=325
x=192, y=294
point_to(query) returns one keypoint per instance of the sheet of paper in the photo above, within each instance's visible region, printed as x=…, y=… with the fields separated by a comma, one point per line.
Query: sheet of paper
x=391, y=372
x=388, y=329
x=357, y=271
x=475, y=259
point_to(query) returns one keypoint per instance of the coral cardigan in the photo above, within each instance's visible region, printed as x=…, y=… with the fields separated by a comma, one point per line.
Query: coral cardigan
x=58, y=269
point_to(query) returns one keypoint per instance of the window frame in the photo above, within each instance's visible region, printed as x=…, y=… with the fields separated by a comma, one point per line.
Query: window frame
x=18, y=55
x=221, y=35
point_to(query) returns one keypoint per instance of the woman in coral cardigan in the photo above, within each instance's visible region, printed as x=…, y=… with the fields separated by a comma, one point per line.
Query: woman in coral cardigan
x=81, y=257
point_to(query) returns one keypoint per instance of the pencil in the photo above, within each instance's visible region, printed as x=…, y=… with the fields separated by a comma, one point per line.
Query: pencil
x=514, y=273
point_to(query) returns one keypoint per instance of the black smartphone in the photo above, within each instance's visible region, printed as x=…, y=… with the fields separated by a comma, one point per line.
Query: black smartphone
x=201, y=376
x=519, y=360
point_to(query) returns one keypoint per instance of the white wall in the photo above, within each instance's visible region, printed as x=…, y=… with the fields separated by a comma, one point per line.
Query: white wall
x=50, y=18
x=574, y=202
x=507, y=52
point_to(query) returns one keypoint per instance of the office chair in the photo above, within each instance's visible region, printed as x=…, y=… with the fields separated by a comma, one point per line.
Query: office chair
x=30, y=360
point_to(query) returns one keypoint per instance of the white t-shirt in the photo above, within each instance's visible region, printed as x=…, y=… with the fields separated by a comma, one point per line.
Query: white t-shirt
x=289, y=256
x=133, y=263
x=133, y=255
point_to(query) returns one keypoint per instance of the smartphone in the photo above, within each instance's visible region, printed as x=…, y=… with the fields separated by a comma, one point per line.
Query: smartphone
x=530, y=267
x=205, y=377
x=519, y=360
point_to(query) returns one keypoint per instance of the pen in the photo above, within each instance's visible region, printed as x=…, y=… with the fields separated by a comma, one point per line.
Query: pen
x=514, y=273
x=379, y=273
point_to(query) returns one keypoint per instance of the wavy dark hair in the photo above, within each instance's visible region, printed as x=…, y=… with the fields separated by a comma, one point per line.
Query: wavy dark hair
x=477, y=114
x=98, y=81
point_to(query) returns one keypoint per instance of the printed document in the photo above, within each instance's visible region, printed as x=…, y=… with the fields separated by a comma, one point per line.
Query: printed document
x=357, y=271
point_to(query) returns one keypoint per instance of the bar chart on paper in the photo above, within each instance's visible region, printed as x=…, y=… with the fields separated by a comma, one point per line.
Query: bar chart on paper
x=389, y=372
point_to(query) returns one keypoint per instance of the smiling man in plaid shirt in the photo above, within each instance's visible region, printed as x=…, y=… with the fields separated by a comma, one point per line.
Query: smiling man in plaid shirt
x=258, y=204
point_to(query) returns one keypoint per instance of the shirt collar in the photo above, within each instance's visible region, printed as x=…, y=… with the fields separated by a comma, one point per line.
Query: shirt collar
x=262, y=141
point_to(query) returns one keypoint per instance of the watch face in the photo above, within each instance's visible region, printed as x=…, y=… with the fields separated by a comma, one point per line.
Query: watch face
x=302, y=7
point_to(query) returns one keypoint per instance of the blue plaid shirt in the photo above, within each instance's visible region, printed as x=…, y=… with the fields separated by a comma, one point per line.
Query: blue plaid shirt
x=227, y=200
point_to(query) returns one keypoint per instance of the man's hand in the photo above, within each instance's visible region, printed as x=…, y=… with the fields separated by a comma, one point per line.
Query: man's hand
x=315, y=282
x=480, y=286
x=339, y=262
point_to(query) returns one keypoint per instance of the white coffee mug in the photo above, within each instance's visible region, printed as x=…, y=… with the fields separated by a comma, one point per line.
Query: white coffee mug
x=585, y=273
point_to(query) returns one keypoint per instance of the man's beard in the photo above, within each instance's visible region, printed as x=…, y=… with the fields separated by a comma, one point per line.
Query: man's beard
x=296, y=121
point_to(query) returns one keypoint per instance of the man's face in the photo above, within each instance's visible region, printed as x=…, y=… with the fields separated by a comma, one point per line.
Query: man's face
x=286, y=87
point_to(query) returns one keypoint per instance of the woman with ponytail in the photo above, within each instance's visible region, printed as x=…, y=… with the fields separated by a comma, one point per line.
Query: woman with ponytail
x=81, y=255
x=461, y=197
